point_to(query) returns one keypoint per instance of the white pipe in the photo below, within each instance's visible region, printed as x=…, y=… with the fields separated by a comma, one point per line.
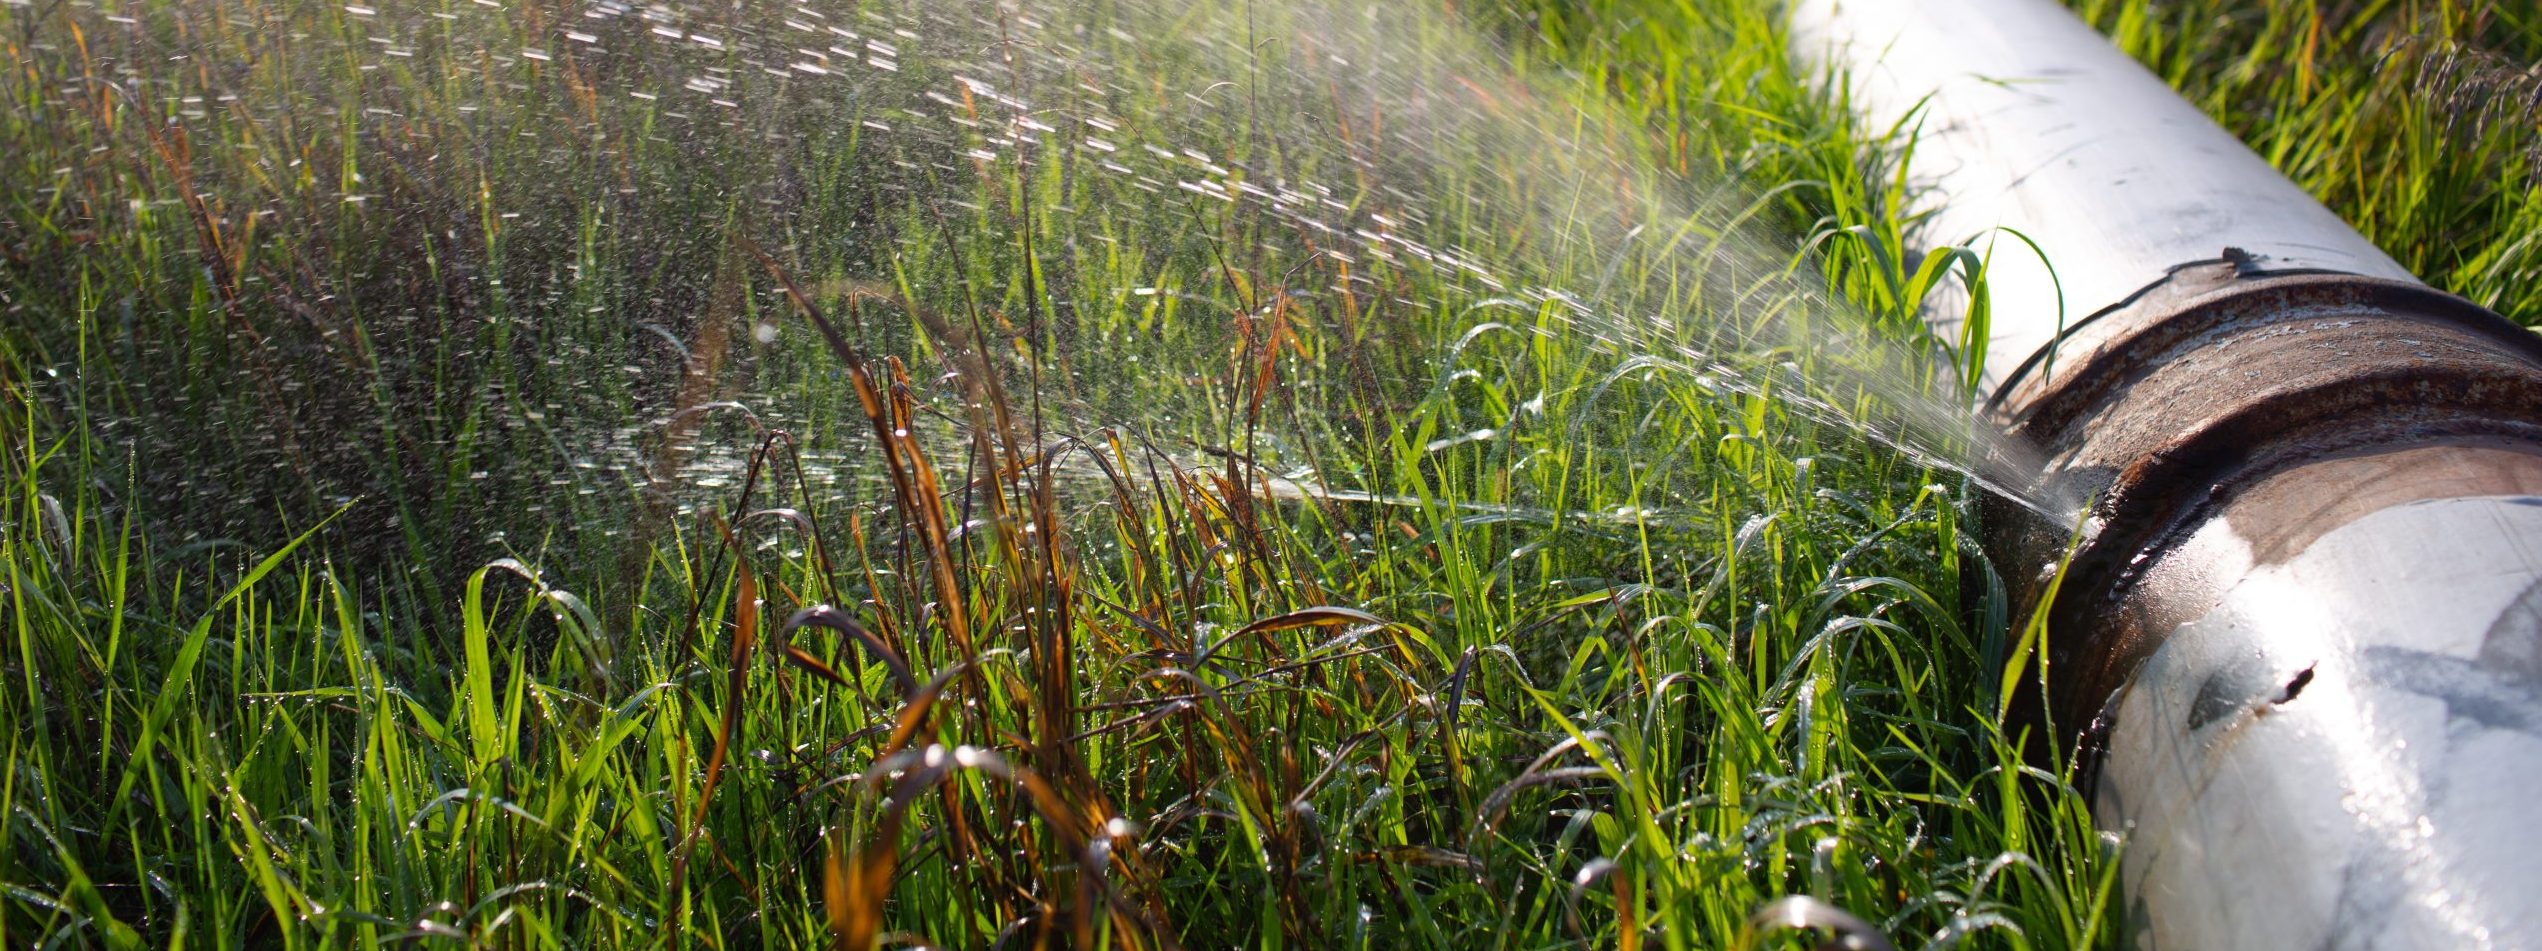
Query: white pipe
x=2331, y=736
x=2029, y=120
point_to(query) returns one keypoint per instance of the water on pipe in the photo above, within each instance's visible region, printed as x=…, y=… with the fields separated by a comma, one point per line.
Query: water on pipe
x=2300, y=653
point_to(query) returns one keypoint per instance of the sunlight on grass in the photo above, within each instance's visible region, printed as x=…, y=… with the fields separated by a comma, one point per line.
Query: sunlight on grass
x=2414, y=120
x=907, y=473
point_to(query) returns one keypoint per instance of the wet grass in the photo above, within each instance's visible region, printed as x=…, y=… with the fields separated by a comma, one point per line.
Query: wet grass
x=2416, y=121
x=516, y=476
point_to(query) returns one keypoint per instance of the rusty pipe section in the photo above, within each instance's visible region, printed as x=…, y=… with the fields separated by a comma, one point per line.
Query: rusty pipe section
x=2300, y=647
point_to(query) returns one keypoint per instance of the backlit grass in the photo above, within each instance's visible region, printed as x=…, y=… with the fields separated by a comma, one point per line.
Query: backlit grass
x=584, y=475
x=2414, y=120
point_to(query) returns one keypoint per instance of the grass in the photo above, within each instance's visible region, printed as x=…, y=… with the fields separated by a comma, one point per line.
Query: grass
x=554, y=475
x=2414, y=120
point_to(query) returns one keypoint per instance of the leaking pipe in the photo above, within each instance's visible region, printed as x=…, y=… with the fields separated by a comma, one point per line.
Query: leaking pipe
x=2300, y=648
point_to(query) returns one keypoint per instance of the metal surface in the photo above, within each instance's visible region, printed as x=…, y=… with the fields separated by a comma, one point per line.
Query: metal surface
x=2299, y=650
x=2343, y=753
x=2164, y=413
x=2030, y=121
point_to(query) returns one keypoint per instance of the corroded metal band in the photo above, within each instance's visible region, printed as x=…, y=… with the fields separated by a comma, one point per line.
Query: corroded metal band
x=2160, y=412
x=2223, y=309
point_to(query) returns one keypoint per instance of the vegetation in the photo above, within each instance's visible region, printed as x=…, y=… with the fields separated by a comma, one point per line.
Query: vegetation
x=2416, y=120
x=760, y=474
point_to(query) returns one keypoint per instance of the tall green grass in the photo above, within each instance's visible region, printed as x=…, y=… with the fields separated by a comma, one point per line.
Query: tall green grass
x=466, y=496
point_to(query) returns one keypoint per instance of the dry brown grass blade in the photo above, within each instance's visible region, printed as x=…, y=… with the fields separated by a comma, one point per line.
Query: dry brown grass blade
x=1022, y=509
x=837, y=893
x=888, y=409
x=1319, y=616
x=858, y=889
x=1628, y=931
x=916, y=494
x=891, y=414
x=913, y=715
x=1628, y=935
x=834, y=620
x=923, y=503
x=1322, y=616
x=745, y=634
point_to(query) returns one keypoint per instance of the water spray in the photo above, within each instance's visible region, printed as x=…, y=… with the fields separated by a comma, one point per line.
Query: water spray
x=2299, y=649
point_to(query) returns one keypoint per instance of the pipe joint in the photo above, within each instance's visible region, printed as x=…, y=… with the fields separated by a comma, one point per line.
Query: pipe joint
x=2165, y=412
